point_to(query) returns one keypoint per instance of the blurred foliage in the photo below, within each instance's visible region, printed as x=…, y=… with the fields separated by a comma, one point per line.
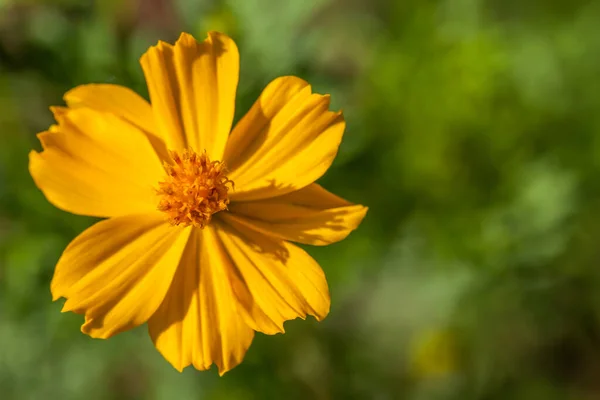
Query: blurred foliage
x=473, y=136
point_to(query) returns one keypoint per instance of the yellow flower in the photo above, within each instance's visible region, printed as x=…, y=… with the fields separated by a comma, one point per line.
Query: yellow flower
x=196, y=242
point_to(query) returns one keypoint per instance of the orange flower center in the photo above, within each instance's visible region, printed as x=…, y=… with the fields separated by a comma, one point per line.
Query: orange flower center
x=195, y=188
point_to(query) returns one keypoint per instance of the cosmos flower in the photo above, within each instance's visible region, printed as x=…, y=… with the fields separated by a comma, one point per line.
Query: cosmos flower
x=199, y=217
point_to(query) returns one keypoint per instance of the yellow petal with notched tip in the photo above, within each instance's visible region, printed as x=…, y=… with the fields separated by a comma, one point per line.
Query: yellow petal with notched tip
x=192, y=89
x=118, y=271
x=96, y=163
x=311, y=215
x=198, y=322
x=287, y=140
x=282, y=280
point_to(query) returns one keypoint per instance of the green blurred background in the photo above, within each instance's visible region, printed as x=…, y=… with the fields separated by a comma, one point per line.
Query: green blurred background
x=473, y=136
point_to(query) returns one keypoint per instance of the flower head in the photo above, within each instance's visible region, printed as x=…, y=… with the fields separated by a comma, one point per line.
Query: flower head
x=203, y=261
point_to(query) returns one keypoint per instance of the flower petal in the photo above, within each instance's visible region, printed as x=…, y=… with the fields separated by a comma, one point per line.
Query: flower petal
x=115, y=99
x=311, y=215
x=118, y=271
x=282, y=281
x=192, y=88
x=198, y=322
x=96, y=164
x=287, y=140
x=122, y=102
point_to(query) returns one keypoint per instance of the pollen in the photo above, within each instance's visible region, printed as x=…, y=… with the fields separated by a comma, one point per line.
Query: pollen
x=194, y=189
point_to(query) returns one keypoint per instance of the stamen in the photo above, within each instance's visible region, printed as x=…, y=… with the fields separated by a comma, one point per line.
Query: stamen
x=195, y=188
